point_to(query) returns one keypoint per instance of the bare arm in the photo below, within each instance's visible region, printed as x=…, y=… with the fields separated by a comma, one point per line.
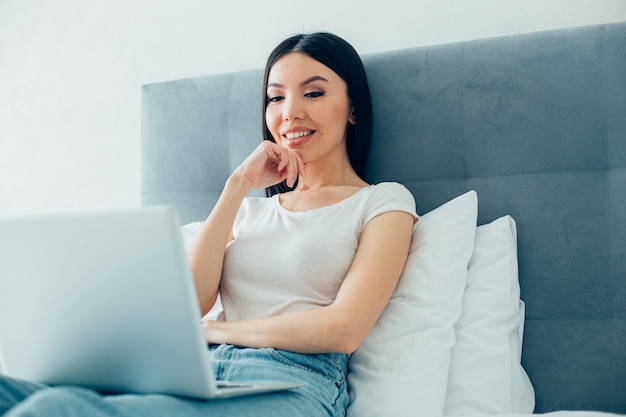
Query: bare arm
x=267, y=165
x=343, y=325
x=206, y=253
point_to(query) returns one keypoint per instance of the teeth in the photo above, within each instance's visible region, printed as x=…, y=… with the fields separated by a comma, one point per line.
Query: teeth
x=294, y=135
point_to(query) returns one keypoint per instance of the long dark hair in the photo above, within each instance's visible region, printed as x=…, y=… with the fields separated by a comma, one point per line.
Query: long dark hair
x=339, y=56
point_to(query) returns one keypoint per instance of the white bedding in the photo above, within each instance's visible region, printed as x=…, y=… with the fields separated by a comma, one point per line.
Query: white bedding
x=458, y=354
x=551, y=414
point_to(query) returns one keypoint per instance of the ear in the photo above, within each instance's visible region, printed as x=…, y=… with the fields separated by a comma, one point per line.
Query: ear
x=352, y=117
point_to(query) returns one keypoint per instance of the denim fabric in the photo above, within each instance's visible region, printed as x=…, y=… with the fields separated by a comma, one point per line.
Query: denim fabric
x=324, y=392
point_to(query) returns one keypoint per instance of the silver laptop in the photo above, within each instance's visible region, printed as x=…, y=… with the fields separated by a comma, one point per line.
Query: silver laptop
x=105, y=300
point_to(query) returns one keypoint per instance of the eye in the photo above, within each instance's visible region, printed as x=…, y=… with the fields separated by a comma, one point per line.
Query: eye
x=275, y=99
x=314, y=94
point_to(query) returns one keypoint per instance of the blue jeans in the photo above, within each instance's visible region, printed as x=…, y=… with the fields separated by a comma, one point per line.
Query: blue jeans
x=324, y=392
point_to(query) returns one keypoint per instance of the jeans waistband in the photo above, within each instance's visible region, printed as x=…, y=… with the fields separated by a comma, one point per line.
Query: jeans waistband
x=321, y=362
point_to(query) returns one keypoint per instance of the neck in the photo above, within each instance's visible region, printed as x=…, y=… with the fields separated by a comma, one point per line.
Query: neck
x=329, y=175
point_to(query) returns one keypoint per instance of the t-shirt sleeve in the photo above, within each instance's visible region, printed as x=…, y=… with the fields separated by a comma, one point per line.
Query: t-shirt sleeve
x=242, y=219
x=391, y=196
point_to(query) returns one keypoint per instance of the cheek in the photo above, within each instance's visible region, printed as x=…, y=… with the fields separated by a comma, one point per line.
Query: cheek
x=339, y=114
x=271, y=121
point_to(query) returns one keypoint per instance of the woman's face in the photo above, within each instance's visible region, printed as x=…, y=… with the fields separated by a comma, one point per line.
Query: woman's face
x=308, y=107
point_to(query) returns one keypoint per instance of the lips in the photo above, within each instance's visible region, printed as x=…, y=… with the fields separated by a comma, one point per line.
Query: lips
x=296, y=136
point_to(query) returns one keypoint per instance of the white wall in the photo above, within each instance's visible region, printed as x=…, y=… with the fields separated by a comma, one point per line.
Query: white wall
x=71, y=71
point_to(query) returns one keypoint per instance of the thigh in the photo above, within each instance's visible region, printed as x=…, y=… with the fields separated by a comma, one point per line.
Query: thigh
x=286, y=403
x=80, y=402
x=22, y=398
x=322, y=377
x=323, y=393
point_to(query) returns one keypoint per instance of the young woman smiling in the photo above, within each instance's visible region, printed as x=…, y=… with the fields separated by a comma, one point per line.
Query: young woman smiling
x=303, y=274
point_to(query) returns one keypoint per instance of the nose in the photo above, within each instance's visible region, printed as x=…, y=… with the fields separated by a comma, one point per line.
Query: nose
x=292, y=109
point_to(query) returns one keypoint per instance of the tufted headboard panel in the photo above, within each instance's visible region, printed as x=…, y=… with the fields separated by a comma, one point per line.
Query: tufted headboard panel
x=535, y=123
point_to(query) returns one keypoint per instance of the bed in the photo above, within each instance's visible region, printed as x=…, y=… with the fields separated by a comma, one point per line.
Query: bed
x=513, y=300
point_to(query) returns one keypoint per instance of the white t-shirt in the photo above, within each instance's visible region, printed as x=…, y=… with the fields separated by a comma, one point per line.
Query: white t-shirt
x=283, y=261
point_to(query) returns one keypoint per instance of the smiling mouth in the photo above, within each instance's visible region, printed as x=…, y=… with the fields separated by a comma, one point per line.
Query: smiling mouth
x=296, y=135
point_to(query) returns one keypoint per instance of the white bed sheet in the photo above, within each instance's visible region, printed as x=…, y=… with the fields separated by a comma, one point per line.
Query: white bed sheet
x=563, y=413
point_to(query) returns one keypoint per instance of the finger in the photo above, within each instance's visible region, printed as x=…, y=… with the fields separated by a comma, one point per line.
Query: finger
x=301, y=164
x=282, y=155
x=283, y=161
x=292, y=170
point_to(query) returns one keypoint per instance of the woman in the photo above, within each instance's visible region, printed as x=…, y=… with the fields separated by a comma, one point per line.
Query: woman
x=302, y=275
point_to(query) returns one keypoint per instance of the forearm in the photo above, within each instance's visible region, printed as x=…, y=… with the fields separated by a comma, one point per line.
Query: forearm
x=320, y=330
x=206, y=253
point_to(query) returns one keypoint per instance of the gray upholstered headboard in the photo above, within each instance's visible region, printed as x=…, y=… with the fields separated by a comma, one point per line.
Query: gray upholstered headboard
x=535, y=123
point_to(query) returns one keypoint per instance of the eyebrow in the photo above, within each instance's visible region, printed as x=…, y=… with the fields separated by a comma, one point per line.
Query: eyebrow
x=303, y=83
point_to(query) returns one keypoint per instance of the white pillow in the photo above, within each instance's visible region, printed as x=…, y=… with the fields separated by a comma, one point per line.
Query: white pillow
x=190, y=231
x=403, y=364
x=485, y=374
